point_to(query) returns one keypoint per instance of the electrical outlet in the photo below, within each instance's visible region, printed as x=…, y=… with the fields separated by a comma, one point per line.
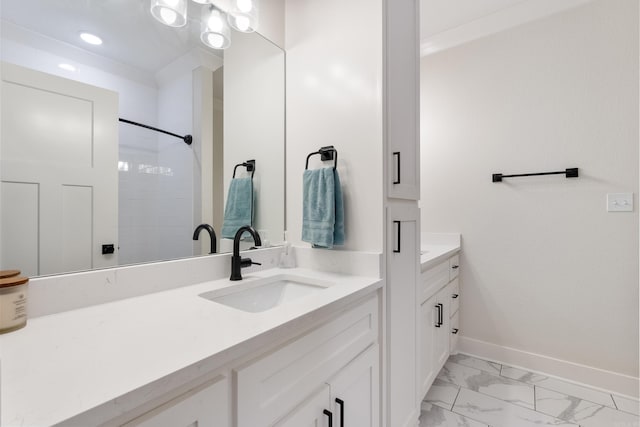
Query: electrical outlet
x=620, y=202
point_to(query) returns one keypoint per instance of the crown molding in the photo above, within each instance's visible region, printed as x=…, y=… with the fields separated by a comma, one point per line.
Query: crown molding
x=498, y=21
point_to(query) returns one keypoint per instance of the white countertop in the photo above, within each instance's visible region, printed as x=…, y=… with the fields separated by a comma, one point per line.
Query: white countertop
x=436, y=247
x=67, y=363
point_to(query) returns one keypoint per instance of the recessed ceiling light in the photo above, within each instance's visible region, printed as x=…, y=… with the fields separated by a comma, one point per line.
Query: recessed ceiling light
x=91, y=38
x=67, y=67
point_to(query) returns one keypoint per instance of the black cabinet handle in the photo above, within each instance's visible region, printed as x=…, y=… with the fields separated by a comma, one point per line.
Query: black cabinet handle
x=397, y=156
x=455, y=267
x=330, y=415
x=397, y=248
x=454, y=296
x=454, y=331
x=439, y=307
x=341, y=403
x=441, y=313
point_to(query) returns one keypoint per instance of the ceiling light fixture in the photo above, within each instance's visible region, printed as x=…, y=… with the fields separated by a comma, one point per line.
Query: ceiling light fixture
x=215, y=30
x=215, y=19
x=170, y=12
x=243, y=15
x=91, y=38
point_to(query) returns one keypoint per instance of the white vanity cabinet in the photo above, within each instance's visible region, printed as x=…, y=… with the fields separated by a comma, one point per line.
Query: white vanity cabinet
x=438, y=319
x=312, y=412
x=355, y=393
x=327, y=371
x=349, y=399
x=204, y=406
x=286, y=384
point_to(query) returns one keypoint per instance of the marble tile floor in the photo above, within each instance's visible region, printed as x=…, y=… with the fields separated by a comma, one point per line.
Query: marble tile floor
x=471, y=392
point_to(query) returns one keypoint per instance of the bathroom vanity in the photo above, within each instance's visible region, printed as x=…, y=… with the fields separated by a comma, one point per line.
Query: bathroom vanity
x=205, y=354
x=438, y=301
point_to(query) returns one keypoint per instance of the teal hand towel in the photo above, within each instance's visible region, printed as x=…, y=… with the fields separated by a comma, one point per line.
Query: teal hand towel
x=323, y=208
x=338, y=228
x=238, y=210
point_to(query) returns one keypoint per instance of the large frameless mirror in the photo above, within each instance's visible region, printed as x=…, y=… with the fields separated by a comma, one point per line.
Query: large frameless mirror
x=83, y=185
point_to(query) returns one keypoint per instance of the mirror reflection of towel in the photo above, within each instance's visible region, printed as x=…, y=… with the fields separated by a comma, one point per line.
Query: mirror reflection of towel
x=238, y=210
x=323, y=208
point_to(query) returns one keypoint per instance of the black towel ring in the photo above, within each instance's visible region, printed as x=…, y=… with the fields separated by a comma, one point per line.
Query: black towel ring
x=249, y=164
x=326, y=153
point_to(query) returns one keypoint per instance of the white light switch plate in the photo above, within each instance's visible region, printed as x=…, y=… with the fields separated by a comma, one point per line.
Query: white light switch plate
x=620, y=202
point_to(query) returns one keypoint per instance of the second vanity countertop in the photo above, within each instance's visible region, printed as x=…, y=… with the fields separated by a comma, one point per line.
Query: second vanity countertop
x=67, y=363
x=436, y=247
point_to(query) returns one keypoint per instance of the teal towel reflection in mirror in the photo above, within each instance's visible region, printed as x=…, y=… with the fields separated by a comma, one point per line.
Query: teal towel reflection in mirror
x=323, y=208
x=238, y=211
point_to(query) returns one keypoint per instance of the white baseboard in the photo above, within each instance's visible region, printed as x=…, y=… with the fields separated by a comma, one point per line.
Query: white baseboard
x=611, y=382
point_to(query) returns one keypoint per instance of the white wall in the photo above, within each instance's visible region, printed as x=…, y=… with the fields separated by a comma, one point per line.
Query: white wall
x=334, y=90
x=271, y=24
x=175, y=192
x=254, y=125
x=546, y=270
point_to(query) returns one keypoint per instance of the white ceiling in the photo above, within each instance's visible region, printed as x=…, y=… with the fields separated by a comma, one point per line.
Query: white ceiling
x=131, y=35
x=448, y=23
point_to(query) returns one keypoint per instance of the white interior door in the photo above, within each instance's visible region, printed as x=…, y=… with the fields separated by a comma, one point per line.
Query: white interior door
x=59, y=154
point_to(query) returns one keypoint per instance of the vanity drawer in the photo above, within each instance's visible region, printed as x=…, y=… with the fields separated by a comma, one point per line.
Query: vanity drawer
x=433, y=280
x=455, y=297
x=454, y=266
x=270, y=387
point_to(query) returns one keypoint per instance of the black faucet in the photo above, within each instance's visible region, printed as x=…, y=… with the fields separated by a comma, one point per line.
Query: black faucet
x=212, y=235
x=238, y=263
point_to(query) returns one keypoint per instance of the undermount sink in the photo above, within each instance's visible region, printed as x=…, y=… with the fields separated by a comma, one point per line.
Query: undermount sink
x=259, y=295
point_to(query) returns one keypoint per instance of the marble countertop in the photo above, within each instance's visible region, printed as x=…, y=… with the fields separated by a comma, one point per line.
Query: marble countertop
x=435, y=248
x=68, y=363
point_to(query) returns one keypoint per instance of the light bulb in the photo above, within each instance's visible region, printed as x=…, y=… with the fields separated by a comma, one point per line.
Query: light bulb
x=215, y=40
x=170, y=12
x=243, y=15
x=215, y=22
x=244, y=5
x=242, y=23
x=215, y=31
x=168, y=16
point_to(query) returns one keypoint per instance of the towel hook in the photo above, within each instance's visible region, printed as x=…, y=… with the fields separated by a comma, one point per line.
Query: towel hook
x=249, y=164
x=326, y=153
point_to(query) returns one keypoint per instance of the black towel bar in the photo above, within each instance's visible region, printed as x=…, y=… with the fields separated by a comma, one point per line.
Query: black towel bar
x=249, y=164
x=570, y=173
x=326, y=153
x=188, y=139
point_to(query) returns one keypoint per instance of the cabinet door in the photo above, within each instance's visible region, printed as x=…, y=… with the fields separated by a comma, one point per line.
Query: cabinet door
x=204, y=407
x=441, y=347
x=313, y=412
x=402, y=81
x=428, y=338
x=274, y=384
x=355, y=394
x=402, y=273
